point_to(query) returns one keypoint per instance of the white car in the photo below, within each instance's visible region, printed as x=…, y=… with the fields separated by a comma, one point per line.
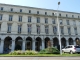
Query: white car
x=71, y=49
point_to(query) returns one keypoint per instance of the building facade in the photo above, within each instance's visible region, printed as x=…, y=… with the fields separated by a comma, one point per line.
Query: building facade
x=30, y=28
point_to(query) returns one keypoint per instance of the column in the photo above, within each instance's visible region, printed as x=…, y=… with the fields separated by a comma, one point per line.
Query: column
x=43, y=44
x=23, y=45
x=1, y=48
x=67, y=43
x=74, y=42
x=33, y=45
x=13, y=45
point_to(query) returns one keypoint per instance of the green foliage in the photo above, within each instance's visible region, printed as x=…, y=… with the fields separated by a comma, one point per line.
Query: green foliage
x=50, y=51
x=27, y=52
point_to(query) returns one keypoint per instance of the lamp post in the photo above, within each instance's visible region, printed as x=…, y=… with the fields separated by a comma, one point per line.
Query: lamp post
x=59, y=29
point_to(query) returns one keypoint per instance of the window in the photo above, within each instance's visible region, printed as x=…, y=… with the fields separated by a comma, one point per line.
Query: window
x=0, y=27
x=55, y=30
x=74, y=22
x=37, y=12
x=1, y=16
x=45, y=13
x=29, y=29
x=38, y=29
x=29, y=18
x=67, y=22
x=20, y=10
x=46, y=30
x=19, y=28
x=0, y=41
x=38, y=19
x=2, y=8
x=69, y=30
x=11, y=9
x=46, y=20
x=29, y=11
x=20, y=18
x=75, y=30
x=78, y=16
x=9, y=28
x=59, y=14
x=66, y=15
x=61, y=22
x=72, y=16
x=53, y=21
x=62, y=30
x=10, y=17
x=53, y=14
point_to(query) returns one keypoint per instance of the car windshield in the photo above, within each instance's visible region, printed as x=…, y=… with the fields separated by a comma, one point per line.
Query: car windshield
x=77, y=46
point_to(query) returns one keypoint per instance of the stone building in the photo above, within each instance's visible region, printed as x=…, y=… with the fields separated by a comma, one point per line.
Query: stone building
x=30, y=28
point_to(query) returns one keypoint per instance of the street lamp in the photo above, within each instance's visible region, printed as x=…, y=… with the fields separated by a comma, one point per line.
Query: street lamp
x=59, y=29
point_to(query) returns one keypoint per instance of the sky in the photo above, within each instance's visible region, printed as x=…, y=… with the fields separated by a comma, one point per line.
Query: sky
x=65, y=5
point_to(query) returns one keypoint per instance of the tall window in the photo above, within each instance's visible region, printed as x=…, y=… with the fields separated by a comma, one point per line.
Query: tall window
x=53, y=21
x=29, y=29
x=59, y=14
x=20, y=10
x=74, y=22
x=46, y=30
x=67, y=22
x=45, y=13
x=66, y=15
x=29, y=18
x=37, y=12
x=38, y=29
x=20, y=18
x=29, y=11
x=54, y=29
x=11, y=9
x=61, y=22
x=69, y=30
x=0, y=41
x=72, y=16
x=75, y=30
x=62, y=30
x=46, y=20
x=19, y=28
x=38, y=19
x=52, y=14
x=2, y=8
x=9, y=28
x=0, y=27
x=1, y=16
x=10, y=17
x=78, y=16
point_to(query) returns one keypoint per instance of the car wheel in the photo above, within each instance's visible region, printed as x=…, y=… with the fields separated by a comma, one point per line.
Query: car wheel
x=71, y=52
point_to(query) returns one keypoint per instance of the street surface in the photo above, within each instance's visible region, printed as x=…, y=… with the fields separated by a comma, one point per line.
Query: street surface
x=39, y=58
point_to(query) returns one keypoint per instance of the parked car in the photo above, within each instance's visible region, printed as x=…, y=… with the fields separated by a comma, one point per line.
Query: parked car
x=71, y=49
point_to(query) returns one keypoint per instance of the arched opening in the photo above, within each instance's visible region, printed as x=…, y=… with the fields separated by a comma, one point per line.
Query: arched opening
x=46, y=42
x=18, y=43
x=7, y=45
x=55, y=42
x=70, y=41
x=28, y=45
x=38, y=44
x=63, y=42
x=77, y=41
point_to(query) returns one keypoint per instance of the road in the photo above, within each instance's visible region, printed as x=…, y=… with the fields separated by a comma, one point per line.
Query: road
x=39, y=58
